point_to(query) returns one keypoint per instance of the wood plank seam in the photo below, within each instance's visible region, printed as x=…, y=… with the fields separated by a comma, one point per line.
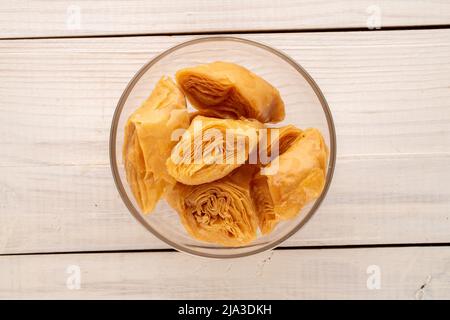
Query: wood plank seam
x=288, y=247
x=240, y=32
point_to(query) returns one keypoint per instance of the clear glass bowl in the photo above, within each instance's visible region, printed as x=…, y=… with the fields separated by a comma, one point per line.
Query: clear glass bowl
x=305, y=107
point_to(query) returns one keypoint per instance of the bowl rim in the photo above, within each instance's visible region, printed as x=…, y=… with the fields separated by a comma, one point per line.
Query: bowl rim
x=113, y=141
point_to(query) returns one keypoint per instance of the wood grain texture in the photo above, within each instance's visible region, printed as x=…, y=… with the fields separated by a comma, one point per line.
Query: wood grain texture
x=405, y=273
x=77, y=208
x=44, y=18
x=388, y=92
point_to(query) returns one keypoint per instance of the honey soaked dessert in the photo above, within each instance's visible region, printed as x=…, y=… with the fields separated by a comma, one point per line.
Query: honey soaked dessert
x=227, y=174
x=297, y=176
x=148, y=143
x=227, y=90
x=219, y=212
x=207, y=151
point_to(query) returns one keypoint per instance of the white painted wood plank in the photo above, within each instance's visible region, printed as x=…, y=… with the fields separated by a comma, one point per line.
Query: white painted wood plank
x=41, y=18
x=371, y=201
x=388, y=92
x=405, y=273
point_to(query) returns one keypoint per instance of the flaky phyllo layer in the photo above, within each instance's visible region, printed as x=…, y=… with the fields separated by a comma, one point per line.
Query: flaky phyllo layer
x=219, y=212
x=227, y=90
x=148, y=143
x=211, y=148
x=223, y=170
x=299, y=177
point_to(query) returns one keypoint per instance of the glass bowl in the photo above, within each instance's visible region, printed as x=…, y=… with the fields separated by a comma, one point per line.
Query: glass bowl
x=305, y=107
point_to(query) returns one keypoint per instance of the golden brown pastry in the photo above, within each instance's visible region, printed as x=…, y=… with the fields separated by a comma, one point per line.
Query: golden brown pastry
x=148, y=143
x=209, y=151
x=298, y=176
x=275, y=141
x=227, y=90
x=219, y=212
x=217, y=167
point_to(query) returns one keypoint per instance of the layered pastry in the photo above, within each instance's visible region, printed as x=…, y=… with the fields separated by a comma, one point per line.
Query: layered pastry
x=224, y=170
x=220, y=212
x=211, y=148
x=227, y=90
x=290, y=180
x=148, y=142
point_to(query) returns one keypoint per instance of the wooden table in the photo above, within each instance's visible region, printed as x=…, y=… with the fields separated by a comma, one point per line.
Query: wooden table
x=383, y=230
